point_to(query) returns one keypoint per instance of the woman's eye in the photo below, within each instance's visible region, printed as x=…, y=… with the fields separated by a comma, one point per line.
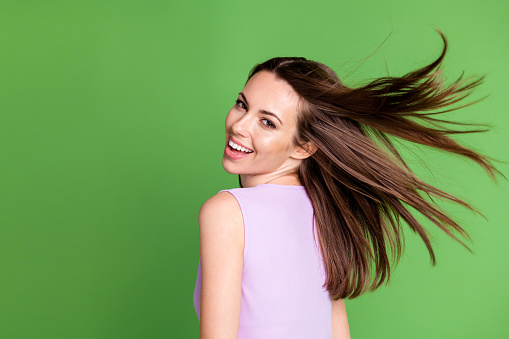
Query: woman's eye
x=268, y=123
x=241, y=104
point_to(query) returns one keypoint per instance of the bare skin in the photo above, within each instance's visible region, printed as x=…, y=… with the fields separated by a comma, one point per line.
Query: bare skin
x=274, y=159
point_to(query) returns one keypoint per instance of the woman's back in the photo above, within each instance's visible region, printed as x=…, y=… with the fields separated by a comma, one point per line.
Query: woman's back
x=283, y=274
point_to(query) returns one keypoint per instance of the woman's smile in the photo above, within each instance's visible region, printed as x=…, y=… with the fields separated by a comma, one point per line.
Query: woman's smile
x=235, y=150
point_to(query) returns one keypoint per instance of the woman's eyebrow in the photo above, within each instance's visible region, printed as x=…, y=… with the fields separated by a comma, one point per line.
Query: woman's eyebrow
x=262, y=110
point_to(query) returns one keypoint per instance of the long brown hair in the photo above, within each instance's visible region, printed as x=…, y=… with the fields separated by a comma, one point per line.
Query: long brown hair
x=359, y=185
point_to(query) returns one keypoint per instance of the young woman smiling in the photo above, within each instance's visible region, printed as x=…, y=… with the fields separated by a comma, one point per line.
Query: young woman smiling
x=323, y=191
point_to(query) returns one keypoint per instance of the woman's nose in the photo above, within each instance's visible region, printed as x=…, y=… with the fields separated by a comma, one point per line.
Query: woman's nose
x=241, y=126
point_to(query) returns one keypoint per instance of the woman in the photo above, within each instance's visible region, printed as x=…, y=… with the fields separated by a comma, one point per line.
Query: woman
x=323, y=191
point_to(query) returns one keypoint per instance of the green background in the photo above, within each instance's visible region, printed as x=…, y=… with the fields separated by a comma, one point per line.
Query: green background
x=111, y=135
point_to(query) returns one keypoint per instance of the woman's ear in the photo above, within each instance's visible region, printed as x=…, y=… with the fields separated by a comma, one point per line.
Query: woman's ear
x=307, y=150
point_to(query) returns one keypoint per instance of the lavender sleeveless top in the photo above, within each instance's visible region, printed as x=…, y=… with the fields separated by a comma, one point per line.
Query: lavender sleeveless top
x=283, y=273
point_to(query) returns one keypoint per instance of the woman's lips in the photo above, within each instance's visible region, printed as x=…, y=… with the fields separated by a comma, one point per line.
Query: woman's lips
x=234, y=154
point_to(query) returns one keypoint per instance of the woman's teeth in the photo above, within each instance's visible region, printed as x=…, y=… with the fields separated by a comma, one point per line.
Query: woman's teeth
x=238, y=147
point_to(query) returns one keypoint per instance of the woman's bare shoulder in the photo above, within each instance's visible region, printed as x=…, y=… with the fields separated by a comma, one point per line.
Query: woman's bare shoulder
x=222, y=199
x=220, y=211
x=222, y=202
x=221, y=254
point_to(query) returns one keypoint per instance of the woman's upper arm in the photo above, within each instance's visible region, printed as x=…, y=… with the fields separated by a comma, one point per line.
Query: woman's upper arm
x=221, y=254
x=340, y=328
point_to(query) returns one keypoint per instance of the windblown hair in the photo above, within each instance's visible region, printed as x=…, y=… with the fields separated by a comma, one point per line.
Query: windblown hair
x=359, y=185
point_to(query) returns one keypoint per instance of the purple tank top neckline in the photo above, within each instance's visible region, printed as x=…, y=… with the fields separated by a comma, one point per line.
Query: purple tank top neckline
x=278, y=186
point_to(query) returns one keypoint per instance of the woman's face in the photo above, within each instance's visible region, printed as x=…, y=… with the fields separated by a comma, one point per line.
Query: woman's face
x=263, y=122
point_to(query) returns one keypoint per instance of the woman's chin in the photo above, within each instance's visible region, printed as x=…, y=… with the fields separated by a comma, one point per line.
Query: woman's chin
x=229, y=168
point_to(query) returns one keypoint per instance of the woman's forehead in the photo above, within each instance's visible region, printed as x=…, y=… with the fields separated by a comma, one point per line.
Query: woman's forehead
x=267, y=92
